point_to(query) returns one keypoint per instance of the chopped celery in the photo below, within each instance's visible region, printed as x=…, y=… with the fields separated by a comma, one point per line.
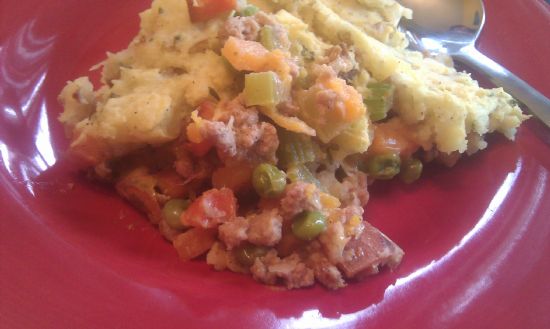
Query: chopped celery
x=300, y=173
x=262, y=88
x=377, y=108
x=380, y=100
x=267, y=38
x=295, y=149
x=380, y=88
x=249, y=10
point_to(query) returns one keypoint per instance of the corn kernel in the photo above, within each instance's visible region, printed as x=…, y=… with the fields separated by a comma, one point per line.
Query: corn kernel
x=352, y=224
x=328, y=201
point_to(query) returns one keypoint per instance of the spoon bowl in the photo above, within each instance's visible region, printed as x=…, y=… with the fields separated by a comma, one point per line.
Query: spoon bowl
x=452, y=27
x=458, y=23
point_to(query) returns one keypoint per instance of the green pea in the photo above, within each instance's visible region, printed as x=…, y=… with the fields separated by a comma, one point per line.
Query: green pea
x=247, y=254
x=308, y=225
x=411, y=169
x=383, y=166
x=172, y=212
x=268, y=180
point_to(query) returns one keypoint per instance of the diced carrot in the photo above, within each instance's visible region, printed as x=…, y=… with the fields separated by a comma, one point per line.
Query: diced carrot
x=212, y=208
x=236, y=178
x=393, y=137
x=203, y=10
x=194, y=242
x=353, y=103
x=245, y=55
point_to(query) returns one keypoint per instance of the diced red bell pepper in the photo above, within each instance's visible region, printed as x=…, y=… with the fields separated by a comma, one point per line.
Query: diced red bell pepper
x=203, y=10
x=212, y=208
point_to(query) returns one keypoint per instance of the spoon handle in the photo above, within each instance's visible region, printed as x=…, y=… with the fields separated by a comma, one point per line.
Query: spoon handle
x=536, y=102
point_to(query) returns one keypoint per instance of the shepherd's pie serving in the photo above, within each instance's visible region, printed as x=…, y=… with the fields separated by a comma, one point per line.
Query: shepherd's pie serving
x=249, y=132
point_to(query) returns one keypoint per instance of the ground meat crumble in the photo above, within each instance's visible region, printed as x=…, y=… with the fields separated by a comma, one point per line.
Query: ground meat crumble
x=291, y=271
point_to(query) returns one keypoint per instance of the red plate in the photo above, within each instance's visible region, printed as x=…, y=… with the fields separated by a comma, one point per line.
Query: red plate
x=73, y=255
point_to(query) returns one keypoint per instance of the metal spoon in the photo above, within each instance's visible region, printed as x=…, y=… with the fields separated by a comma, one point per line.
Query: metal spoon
x=452, y=27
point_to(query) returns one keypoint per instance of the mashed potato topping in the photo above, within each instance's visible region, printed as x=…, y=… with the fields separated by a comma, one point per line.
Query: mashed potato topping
x=250, y=131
